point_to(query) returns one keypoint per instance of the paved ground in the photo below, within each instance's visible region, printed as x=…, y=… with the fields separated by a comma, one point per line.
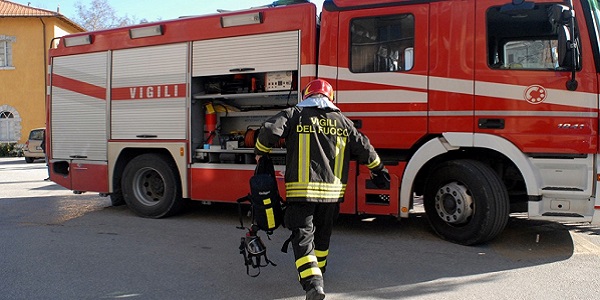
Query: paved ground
x=56, y=245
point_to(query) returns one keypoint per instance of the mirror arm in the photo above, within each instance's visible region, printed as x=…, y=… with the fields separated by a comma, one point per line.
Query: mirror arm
x=572, y=83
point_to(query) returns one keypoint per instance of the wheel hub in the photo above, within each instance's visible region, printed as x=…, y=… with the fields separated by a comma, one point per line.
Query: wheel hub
x=149, y=186
x=453, y=203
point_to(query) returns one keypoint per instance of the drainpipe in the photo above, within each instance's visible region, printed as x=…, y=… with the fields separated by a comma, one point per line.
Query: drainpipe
x=45, y=71
x=45, y=56
x=45, y=86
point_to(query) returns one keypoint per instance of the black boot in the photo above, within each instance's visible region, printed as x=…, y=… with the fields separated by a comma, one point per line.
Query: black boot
x=315, y=293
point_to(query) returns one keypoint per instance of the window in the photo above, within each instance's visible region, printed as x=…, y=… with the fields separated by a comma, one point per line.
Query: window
x=6, y=126
x=6, y=51
x=10, y=124
x=382, y=44
x=6, y=115
x=523, y=39
x=531, y=54
x=36, y=134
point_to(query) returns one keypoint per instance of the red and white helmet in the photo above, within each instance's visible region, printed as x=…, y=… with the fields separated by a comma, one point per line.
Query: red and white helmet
x=318, y=86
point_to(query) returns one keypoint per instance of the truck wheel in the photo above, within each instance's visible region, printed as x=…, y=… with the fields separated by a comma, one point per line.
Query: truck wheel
x=116, y=199
x=29, y=159
x=151, y=186
x=466, y=202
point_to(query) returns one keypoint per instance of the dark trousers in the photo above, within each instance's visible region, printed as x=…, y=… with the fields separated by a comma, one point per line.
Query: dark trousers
x=311, y=225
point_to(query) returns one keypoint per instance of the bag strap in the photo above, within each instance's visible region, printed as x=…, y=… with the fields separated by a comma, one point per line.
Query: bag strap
x=247, y=260
x=286, y=243
x=265, y=166
x=239, y=201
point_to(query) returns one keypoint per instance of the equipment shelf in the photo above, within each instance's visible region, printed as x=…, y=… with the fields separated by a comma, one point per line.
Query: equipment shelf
x=246, y=95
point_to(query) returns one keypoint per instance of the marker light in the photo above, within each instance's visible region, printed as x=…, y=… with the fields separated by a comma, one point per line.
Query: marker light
x=77, y=40
x=147, y=31
x=240, y=20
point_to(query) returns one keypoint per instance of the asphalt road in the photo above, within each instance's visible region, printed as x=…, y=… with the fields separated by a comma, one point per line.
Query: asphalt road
x=57, y=245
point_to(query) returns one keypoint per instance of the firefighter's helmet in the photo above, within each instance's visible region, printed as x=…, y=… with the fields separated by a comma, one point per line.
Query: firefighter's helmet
x=318, y=86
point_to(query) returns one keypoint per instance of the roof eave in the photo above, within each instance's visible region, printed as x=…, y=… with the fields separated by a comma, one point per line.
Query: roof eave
x=58, y=16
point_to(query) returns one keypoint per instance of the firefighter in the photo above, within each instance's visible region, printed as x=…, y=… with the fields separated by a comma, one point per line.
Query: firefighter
x=320, y=142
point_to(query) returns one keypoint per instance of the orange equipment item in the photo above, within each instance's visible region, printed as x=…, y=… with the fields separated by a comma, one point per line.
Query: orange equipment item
x=210, y=122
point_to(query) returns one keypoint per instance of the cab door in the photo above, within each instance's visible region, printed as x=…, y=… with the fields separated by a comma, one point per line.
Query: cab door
x=521, y=86
x=530, y=92
x=379, y=73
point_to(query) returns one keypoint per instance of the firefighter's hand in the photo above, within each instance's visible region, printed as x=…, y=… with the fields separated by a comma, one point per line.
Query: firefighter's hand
x=258, y=158
x=380, y=178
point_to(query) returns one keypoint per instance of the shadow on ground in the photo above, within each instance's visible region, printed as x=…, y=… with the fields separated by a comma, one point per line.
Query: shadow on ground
x=196, y=253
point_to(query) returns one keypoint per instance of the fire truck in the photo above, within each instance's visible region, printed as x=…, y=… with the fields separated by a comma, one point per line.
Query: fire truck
x=480, y=109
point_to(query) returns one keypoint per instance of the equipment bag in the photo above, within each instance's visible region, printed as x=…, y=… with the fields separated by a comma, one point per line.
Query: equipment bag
x=266, y=209
x=266, y=214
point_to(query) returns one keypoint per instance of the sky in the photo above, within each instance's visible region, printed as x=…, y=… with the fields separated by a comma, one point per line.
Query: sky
x=153, y=10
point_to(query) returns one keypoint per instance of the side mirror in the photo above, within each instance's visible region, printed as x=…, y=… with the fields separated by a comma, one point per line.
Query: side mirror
x=569, y=57
x=559, y=15
x=565, y=53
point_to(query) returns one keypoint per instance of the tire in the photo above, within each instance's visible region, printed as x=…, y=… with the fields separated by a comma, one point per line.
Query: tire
x=151, y=186
x=29, y=160
x=466, y=202
x=117, y=199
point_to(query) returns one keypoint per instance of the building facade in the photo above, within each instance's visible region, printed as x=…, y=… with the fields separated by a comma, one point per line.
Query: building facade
x=26, y=34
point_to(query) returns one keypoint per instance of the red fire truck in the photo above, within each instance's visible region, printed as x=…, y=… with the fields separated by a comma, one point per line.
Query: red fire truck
x=479, y=108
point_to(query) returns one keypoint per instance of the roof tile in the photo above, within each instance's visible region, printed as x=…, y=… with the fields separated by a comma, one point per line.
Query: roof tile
x=11, y=9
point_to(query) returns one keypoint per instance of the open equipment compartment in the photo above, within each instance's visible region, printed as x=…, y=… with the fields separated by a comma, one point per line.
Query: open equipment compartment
x=238, y=83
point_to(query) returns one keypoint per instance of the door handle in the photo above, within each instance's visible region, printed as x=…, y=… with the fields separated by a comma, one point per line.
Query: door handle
x=491, y=123
x=357, y=123
x=242, y=69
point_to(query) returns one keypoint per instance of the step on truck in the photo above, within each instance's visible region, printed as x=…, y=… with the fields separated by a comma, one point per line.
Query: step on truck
x=479, y=109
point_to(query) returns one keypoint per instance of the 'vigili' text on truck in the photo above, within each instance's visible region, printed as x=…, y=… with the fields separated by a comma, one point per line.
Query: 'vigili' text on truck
x=479, y=108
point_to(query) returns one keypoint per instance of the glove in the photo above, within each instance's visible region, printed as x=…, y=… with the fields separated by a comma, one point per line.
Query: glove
x=380, y=178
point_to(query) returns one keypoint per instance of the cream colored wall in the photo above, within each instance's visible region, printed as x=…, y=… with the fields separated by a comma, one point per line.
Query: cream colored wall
x=58, y=32
x=23, y=88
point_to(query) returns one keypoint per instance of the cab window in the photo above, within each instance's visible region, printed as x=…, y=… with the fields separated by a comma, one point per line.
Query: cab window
x=523, y=39
x=382, y=44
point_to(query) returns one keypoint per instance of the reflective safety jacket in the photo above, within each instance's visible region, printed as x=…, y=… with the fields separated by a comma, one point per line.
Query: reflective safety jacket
x=320, y=142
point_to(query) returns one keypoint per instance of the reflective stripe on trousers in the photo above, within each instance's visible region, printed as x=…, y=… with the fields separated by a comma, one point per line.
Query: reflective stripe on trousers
x=321, y=259
x=307, y=266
